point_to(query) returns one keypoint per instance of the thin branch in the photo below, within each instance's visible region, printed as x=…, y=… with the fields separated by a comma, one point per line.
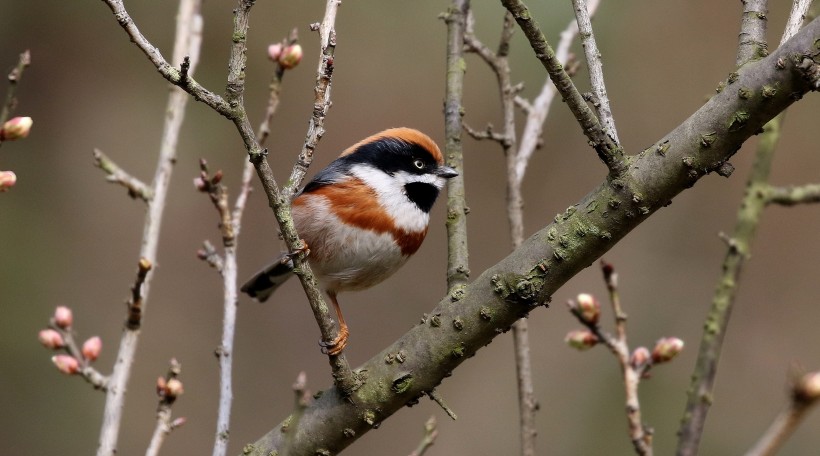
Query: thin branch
x=458, y=271
x=633, y=368
x=167, y=71
x=433, y=394
x=488, y=133
x=14, y=78
x=209, y=255
x=791, y=196
x=596, y=72
x=798, y=14
x=804, y=395
x=321, y=104
x=752, y=37
x=116, y=175
x=499, y=63
x=169, y=388
x=700, y=395
x=174, y=114
x=608, y=150
x=228, y=267
x=343, y=376
x=536, y=116
x=430, y=434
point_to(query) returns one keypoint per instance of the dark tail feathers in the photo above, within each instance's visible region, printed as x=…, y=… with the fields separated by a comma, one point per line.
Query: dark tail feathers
x=266, y=281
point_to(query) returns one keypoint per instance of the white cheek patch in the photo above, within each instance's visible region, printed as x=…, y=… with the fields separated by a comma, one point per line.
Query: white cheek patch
x=390, y=190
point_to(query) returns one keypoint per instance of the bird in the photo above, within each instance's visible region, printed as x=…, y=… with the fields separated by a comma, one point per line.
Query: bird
x=362, y=217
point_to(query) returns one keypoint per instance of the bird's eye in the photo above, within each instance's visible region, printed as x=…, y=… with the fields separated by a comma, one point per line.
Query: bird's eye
x=418, y=163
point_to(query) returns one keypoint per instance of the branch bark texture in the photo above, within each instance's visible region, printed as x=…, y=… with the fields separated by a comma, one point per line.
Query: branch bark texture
x=458, y=272
x=460, y=325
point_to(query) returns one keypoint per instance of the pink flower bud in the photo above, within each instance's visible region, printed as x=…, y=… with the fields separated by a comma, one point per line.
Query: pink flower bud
x=63, y=317
x=581, y=339
x=807, y=388
x=161, y=383
x=291, y=56
x=92, y=348
x=16, y=128
x=7, y=180
x=666, y=349
x=200, y=184
x=173, y=388
x=274, y=51
x=178, y=422
x=588, y=308
x=51, y=339
x=639, y=357
x=66, y=364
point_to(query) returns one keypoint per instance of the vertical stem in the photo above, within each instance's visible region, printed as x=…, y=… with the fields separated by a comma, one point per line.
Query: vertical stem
x=175, y=113
x=751, y=208
x=458, y=271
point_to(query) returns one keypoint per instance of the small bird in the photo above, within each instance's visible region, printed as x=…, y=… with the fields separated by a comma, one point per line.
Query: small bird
x=362, y=217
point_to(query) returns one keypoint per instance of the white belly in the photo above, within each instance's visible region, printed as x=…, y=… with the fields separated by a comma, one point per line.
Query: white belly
x=360, y=258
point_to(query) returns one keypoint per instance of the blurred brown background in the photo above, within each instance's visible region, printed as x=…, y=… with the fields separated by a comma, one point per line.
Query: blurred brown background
x=68, y=237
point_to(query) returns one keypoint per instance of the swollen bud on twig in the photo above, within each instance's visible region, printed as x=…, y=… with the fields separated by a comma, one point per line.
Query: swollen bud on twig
x=7, y=180
x=51, y=339
x=291, y=56
x=63, y=317
x=666, y=349
x=173, y=388
x=639, y=358
x=587, y=308
x=275, y=51
x=807, y=388
x=581, y=339
x=66, y=364
x=16, y=128
x=92, y=348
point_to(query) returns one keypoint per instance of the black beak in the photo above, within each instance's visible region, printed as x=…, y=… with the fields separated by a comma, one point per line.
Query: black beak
x=446, y=172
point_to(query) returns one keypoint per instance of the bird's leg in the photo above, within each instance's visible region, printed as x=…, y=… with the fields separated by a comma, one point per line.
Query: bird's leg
x=304, y=248
x=335, y=346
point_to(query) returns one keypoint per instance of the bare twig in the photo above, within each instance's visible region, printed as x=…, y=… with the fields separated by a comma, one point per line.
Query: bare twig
x=136, y=188
x=517, y=161
x=433, y=394
x=321, y=104
x=169, y=388
x=798, y=14
x=804, y=394
x=430, y=434
x=537, y=114
x=633, y=367
x=228, y=267
x=752, y=37
x=487, y=133
x=700, y=396
x=209, y=255
x=791, y=196
x=608, y=150
x=458, y=270
x=596, y=72
x=185, y=45
x=14, y=78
